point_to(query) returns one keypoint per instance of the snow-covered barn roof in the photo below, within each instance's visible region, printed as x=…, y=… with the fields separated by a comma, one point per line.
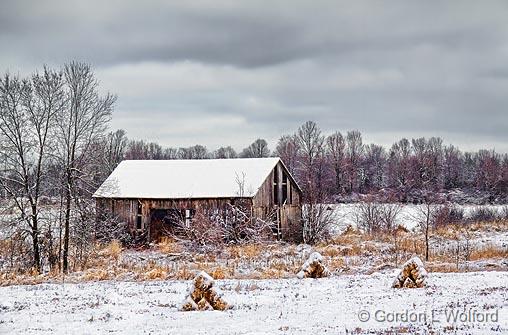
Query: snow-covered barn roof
x=185, y=179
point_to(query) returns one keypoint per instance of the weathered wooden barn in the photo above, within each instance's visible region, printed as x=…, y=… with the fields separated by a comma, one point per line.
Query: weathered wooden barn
x=144, y=193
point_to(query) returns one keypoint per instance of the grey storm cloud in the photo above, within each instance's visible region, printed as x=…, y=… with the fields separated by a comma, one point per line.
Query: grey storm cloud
x=227, y=72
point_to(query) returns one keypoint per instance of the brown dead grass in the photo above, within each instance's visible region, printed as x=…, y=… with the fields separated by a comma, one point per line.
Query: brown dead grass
x=441, y=267
x=248, y=250
x=157, y=273
x=183, y=273
x=114, y=250
x=349, y=253
x=168, y=245
x=97, y=275
x=489, y=252
x=220, y=272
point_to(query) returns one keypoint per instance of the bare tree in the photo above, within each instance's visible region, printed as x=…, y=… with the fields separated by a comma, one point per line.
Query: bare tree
x=368, y=216
x=354, y=151
x=389, y=216
x=426, y=216
x=27, y=113
x=374, y=167
x=193, y=152
x=225, y=152
x=258, y=149
x=452, y=163
x=199, y=152
x=336, y=146
x=398, y=167
x=288, y=149
x=318, y=220
x=488, y=170
x=80, y=124
x=311, y=143
x=114, y=148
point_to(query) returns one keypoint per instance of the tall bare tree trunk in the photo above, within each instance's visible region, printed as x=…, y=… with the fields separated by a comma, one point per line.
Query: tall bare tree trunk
x=67, y=219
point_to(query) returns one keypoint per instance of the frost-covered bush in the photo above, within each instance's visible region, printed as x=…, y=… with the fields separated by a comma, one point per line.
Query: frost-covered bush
x=235, y=225
x=318, y=220
x=484, y=214
x=447, y=214
x=374, y=217
x=504, y=213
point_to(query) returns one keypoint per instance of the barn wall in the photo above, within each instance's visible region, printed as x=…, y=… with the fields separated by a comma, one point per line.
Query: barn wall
x=127, y=210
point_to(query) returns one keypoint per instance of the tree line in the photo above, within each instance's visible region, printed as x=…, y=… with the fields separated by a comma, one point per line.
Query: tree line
x=338, y=165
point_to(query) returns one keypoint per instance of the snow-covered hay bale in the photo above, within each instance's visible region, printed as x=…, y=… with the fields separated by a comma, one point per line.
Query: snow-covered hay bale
x=413, y=274
x=313, y=267
x=203, y=296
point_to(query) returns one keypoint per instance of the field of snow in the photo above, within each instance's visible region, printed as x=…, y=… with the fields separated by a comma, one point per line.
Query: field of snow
x=338, y=305
x=345, y=214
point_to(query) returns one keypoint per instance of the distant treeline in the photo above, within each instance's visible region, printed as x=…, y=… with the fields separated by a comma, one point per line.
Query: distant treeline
x=340, y=164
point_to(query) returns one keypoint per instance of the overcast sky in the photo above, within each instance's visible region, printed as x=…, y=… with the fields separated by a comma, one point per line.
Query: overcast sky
x=227, y=72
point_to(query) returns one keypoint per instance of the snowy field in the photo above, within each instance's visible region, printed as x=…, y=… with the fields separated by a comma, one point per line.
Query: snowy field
x=333, y=305
x=345, y=214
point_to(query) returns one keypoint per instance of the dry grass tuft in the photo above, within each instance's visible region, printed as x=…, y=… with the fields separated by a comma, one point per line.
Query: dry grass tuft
x=168, y=245
x=183, y=273
x=220, y=273
x=114, y=250
x=330, y=251
x=155, y=273
x=251, y=251
x=96, y=275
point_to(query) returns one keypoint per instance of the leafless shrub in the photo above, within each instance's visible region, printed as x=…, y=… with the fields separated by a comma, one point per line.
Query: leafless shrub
x=373, y=217
x=235, y=225
x=368, y=217
x=317, y=222
x=389, y=216
x=109, y=227
x=446, y=214
x=483, y=214
x=204, y=231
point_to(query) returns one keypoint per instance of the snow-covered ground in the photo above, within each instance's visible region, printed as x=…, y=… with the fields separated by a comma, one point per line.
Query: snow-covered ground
x=310, y=306
x=345, y=214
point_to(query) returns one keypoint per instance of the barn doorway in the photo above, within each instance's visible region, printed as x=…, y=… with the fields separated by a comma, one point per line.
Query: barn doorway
x=164, y=221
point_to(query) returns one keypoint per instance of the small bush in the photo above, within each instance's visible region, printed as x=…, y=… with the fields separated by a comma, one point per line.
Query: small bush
x=504, y=213
x=483, y=214
x=446, y=215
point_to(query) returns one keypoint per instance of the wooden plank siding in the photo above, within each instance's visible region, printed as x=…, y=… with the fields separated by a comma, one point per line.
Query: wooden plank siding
x=264, y=204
